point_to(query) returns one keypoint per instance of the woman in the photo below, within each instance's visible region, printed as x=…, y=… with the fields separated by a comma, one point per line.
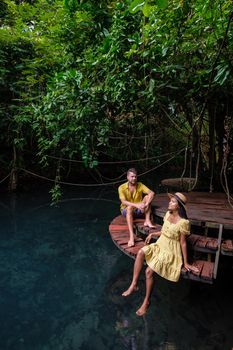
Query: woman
x=168, y=254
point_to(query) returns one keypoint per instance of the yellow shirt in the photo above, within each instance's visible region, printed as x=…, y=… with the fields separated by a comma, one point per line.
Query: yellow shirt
x=135, y=197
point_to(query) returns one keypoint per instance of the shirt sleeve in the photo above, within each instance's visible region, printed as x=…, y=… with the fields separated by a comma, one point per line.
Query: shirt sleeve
x=121, y=193
x=145, y=190
x=185, y=227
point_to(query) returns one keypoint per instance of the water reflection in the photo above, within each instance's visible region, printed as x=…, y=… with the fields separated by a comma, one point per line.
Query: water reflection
x=181, y=316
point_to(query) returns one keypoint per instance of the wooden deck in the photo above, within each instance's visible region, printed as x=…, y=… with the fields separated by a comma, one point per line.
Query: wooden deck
x=206, y=211
x=120, y=235
x=201, y=207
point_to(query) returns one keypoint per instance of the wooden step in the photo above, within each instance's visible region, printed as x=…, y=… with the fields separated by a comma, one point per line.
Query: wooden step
x=227, y=247
x=197, y=242
x=203, y=243
x=143, y=231
x=205, y=274
x=202, y=207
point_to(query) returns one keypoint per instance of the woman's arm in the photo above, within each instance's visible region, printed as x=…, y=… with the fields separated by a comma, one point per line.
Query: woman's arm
x=152, y=234
x=185, y=254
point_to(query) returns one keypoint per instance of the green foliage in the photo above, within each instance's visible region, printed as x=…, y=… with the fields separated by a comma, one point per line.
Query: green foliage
x=55, y=194
x=78, y=78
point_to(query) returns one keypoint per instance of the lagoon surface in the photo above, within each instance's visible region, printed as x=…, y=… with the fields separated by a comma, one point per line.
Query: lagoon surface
x=61, y=279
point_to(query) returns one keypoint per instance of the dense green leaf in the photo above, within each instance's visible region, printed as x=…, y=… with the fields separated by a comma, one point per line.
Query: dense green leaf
x=86, y=79
x=136, y=6
x=162, y=3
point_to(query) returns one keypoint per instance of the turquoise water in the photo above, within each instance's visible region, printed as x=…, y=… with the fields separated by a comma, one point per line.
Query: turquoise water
x=62, y=278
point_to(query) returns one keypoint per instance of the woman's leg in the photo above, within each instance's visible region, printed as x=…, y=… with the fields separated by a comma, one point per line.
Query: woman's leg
x=136, y=271
x=149, y=285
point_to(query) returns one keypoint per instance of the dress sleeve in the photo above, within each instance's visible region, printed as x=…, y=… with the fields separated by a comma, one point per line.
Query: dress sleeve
x=185, y=227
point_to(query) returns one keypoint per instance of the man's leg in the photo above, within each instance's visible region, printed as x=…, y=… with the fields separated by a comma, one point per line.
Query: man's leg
x=129, y=219
x=147, y=221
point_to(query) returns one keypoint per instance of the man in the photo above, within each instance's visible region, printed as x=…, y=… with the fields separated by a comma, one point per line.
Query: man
x=135, y=202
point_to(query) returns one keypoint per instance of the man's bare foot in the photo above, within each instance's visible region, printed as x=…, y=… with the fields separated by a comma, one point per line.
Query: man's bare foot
x=149, y=224
x=131, y=243
x=132, y=288
x=143, y=309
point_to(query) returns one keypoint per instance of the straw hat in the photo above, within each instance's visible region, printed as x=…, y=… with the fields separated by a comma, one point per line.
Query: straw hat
x=180, y=197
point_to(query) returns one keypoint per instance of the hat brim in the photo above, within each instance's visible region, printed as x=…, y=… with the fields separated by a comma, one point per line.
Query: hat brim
x=171, y=195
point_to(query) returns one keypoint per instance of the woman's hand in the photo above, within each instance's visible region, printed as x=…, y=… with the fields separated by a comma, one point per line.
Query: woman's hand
x=148, y=238
x=191, y=268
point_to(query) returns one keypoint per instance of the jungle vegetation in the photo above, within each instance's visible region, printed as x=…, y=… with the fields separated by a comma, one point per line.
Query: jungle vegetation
x=85, y=84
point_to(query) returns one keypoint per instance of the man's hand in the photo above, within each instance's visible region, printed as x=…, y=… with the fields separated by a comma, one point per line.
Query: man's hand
x=141, y=206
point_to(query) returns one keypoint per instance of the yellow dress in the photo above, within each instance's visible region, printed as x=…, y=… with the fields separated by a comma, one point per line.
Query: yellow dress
x=165, y=256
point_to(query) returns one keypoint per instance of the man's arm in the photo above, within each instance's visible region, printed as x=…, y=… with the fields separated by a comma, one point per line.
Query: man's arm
x=149, y=198
x=139, y=205
x=124, y=201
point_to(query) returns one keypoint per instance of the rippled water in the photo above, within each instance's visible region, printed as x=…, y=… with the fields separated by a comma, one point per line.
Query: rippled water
x=62, y=278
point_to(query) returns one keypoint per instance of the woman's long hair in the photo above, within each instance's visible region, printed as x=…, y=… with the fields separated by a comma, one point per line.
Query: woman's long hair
x=182, y=211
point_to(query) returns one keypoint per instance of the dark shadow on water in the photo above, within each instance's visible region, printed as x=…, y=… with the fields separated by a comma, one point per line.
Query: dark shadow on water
x=62, y=279
x=183, y=315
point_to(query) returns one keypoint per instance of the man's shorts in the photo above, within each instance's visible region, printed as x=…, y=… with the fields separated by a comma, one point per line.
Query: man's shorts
x=137, y=213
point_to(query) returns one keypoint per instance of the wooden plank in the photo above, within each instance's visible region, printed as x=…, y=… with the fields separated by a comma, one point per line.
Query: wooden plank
x=204, y=244
x=201, y=242
x=227, y=247
x=196, y=242
x=119, y=227
x=138, y=221
x=205, y=275
x=212, y=244
x=119, y=233
x=192, y=239
x=147, y=230
x=124, y=240
x=134, y=250
x=201, y=206
x=208, y=270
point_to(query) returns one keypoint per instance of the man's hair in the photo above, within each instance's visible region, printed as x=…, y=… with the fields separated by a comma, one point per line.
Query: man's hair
x=132, y=170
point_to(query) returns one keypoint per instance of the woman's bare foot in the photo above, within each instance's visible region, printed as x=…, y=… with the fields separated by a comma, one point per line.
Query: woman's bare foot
x=132, y=288
x=143, y=309
x=131, y=243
